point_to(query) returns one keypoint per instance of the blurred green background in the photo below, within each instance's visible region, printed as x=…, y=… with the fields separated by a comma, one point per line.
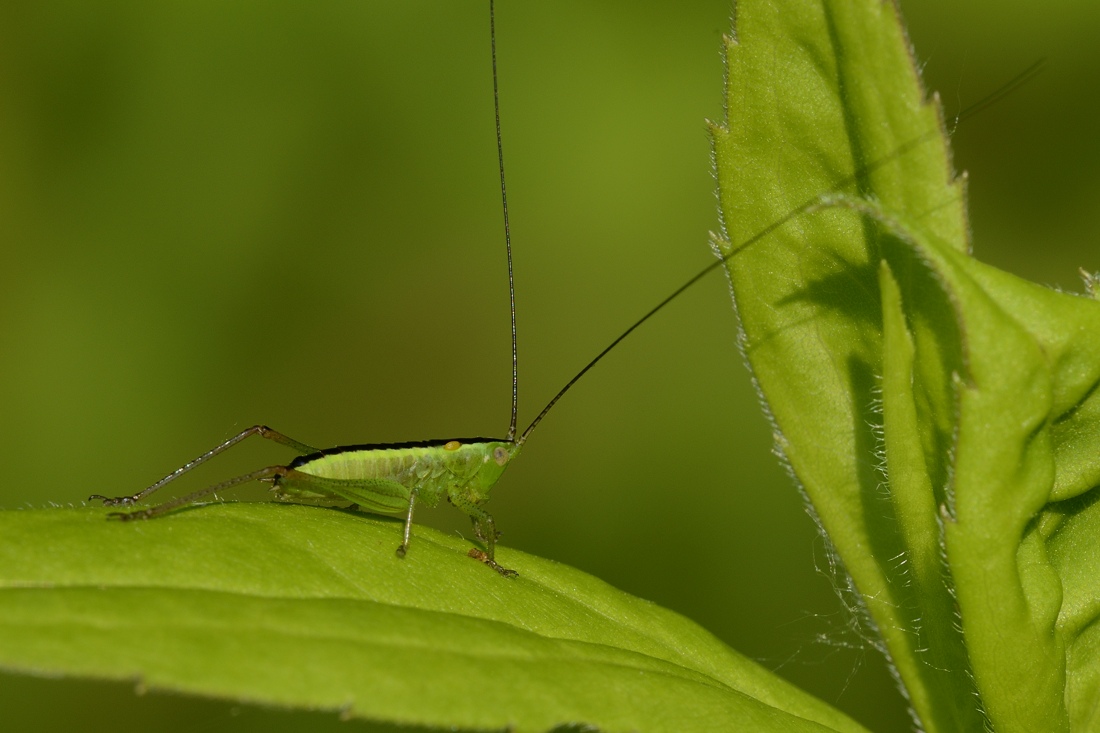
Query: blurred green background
x=215, y=214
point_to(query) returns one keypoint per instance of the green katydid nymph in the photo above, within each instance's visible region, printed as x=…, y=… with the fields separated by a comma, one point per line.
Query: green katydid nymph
x=395, y=478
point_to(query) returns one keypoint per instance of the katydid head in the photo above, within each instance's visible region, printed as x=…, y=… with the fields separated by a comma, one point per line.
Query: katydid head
x=484, y=462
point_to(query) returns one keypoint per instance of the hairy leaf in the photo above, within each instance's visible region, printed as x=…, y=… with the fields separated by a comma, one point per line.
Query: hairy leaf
x=941, y=416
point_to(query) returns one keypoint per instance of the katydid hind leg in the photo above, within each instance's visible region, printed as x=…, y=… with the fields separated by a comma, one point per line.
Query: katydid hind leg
x=261, y=430
x=264, y=474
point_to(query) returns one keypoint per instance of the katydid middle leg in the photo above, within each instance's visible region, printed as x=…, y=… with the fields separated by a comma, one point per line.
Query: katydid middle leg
x=404, y=546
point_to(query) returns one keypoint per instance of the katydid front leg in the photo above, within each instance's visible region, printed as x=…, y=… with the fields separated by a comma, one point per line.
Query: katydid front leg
x=485, y=529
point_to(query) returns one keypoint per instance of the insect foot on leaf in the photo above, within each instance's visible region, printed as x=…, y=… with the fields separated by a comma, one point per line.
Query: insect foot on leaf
x=483, y=556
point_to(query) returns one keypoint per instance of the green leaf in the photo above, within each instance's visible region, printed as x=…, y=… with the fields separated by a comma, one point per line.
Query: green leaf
x=942, y=417
x=1024, y=469
x=308, y=607
x=805, y=114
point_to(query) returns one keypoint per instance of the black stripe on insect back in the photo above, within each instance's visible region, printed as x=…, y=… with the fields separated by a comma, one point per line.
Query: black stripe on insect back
x=302, y=460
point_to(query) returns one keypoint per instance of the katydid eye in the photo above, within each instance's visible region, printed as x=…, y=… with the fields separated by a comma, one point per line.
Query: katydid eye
x=500, y=455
